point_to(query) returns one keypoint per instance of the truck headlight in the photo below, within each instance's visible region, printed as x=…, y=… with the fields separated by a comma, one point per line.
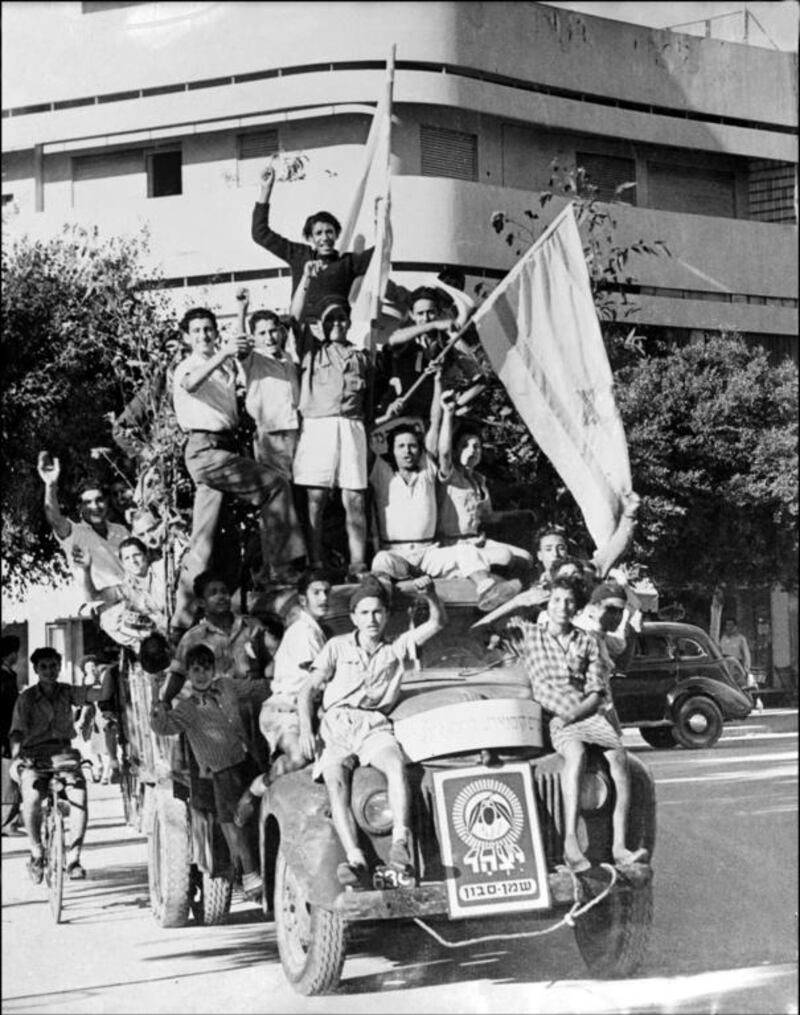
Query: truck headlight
x=594, y=791
x=374, y=813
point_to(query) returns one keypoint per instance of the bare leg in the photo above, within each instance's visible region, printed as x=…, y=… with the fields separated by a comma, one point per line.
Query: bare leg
x=573, y=754
x=78, y=817
x=390, y=762
x=618, y=764
x=317, y=499
x=337, y=781
x=239, y=845
x=32, y=816
x=355, y=507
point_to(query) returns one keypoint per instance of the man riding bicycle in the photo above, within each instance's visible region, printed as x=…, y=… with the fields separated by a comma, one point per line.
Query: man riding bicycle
x=43, y=726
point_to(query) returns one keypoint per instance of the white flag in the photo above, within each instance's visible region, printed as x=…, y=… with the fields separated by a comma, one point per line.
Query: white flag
x=540, y=331
x=370, y=217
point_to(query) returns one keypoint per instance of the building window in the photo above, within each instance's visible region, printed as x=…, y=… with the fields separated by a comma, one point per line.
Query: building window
x=694, y=190
x=450, y=153
x=7, y=199
x=770, y=191
x=606, y=173
x=164, y=174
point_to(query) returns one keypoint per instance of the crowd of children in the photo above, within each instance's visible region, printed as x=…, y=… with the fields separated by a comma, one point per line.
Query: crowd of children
x=388, y=431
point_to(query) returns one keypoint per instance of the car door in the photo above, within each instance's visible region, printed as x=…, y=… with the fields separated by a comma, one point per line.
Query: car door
x=696, y=660
x=640, y=694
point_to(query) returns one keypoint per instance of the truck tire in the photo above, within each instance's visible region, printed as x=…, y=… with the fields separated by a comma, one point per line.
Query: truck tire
x=613, y=936
x=698, y=723
x=211, y=897
x=311, y=940
x=660, y=737
x=169, y=860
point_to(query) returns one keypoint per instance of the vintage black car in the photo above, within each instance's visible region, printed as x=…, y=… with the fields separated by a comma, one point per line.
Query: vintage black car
x=677, y=687
x=486, y=823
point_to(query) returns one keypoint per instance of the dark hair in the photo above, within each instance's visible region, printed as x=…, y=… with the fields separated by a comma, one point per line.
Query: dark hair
x=574, y=585
x=201, y=654
x=204, y=579
x=8, y=643
x=549, y=530
x=426, y=292
x=574, y=561
x=197, y=314
x=131, y=541
x=467, y=430
x=273, y=624
x=315, y=574
x=90, y=483
x=40, y=654
x=321, y=216
x=154, y=654
x=392, y=436
x=263, y=315
x=89, y=659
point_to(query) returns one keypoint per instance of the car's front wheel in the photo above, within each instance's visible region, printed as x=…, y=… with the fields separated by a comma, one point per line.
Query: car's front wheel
x=311, y=940
x=658, y=736
x=698, y=723
x=613, y=936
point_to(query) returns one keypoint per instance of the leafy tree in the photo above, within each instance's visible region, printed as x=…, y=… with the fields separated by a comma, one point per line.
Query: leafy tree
x=712, y=435
x=80, y=335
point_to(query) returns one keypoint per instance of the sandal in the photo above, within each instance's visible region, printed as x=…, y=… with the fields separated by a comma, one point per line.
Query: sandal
x=350, y=874
x=75, y=872
x=36, y=869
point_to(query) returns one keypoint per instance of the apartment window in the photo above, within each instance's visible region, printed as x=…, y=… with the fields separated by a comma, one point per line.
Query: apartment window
x=607, y=172
x=450, y=153
x=690, y=189
x=164, y=174
x=770, y=191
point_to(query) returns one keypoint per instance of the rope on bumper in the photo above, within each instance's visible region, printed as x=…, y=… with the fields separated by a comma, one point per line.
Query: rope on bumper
x=567, y=920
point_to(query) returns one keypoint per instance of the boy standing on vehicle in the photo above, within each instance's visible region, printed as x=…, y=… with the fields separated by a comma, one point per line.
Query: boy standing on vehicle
x=361, y=674
x=209, y=716
x=43, y=725
x=569, y=679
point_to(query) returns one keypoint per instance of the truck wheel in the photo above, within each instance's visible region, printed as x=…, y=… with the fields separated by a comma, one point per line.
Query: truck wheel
x=698, y=723
x=211, y=897
x=658, y=736
x=613, y=936
x=168, y=860
x=311, y=940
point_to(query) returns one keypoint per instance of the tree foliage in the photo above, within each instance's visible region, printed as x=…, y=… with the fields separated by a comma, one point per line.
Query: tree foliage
x=80, y=334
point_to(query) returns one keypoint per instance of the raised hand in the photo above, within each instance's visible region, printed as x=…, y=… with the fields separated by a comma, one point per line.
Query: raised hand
x=81, y=557
x=49, y=468
x=268, y=174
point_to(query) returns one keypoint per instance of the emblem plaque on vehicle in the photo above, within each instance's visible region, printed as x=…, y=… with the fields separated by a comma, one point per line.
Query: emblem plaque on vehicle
x=490, y=840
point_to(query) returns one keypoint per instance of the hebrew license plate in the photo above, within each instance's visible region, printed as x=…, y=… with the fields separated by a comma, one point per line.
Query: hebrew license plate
x=490, y=841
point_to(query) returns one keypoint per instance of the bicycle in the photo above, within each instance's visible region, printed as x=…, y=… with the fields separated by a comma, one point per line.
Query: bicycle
x=55, y=809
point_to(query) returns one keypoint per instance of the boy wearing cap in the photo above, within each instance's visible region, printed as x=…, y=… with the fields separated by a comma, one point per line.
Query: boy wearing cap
x=361, y=674
x=570, y=679
x=332, y=450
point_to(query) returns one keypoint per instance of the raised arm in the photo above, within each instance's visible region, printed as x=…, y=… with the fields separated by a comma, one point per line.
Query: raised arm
x=243, y=301
x=261, y=231
x=606, y=556
x=437, y=617
x=310, y=270
x=432, y=433
x=49, y=470
x=403, y=335
x=448, y=409
x=232, y=347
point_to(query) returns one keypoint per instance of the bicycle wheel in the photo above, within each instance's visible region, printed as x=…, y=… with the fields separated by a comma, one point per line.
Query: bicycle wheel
x=54, y=861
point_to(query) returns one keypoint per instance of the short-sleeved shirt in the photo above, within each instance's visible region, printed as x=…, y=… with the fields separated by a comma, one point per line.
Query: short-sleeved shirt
x=211, y=406
x=105, y=569
x=406, y=510
x=273, y=393
x=40, y=721
x=359, y=679
x=239, y=653
x=334, y=381
x=301, y=643
x=464, y=504
x=212, y=722
x=562, y=678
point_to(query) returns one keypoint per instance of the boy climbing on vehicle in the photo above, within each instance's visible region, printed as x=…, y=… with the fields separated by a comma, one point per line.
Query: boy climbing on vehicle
x=361, y=675
x=570, y=680
x=210, y=718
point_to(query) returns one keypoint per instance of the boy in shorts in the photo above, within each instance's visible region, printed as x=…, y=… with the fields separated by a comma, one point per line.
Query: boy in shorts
x=361, y=675
x=570, y=680
x=332, y=450
x=210, y=718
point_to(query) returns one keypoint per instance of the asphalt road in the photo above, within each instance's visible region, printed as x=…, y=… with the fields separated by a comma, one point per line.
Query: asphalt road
x=724, y=936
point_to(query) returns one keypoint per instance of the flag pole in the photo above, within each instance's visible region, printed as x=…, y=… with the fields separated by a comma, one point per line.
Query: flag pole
x=376, y=298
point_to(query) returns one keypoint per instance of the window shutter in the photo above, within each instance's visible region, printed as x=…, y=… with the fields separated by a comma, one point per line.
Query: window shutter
x=449, y=153
x=258, y=144
x=693, y=190
x=607, y=172
x=771, y=191
x=101, y=166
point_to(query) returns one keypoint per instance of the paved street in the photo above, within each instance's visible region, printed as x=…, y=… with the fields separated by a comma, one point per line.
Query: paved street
x=724, y=938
